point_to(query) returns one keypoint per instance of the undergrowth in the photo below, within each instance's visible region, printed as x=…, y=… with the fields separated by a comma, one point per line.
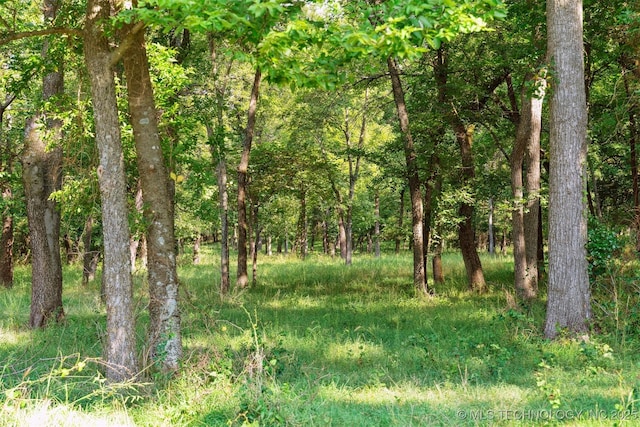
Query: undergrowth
x=318, y=343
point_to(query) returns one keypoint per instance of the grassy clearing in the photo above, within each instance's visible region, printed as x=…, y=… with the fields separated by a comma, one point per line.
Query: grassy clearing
x=316, y=343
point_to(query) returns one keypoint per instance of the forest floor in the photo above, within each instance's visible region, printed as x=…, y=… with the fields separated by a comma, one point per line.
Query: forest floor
x=316, y=343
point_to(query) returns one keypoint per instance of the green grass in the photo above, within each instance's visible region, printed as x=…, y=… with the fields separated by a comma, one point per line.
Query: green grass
x=316, y=343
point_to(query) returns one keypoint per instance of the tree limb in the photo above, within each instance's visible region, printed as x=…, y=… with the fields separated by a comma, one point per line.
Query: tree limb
x=37, y=33
x=127, y=41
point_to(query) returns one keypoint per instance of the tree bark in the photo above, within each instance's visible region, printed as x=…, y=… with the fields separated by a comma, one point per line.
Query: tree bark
x=400, y=220
x=633, y=144
x=120, y=351
x=525, y=212
x=568, y=304
x=218, y=151
x=89, y=256
x=243, y=175
x=42, y=175
x=196, y=249
x=438, y=274
x=376, y=226
x=164, y=340
x=491, y=232
x=532, y=186
x=6, y=247
x=302, y=223
x=419, y=275
x=6, y=239
x=255, y=247
x=464, y=137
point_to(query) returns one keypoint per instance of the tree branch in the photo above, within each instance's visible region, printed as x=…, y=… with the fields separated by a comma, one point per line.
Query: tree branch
x=125, y=44
x=38, y=33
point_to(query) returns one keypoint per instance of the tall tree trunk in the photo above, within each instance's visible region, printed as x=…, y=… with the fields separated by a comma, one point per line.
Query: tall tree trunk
x=466, y=232
x=89, y=256
x=135, y=239
x=432, y=187
x=419, y=275
x=400, y=220
x=342, y=234
x=491, y=232
x=164, y=338
x=464, y=137
x=6, y=239
x=255, y=248
x=633, y=144
x=376, y=227
x=354, y=172
x=438, y=274
x=120, y=351
x=243, y=174
x=532, y=184
x=525, y=212
x=302, y=223
x=42, y=175
x=218, y=152
x=6, y=246
x=568, y=303
x=196, y=249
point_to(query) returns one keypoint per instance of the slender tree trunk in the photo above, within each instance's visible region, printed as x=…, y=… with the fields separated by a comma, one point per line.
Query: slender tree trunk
x=517, y=215
x=568, y=303
x=376, y=227
x=6, y=239
x=432, y=189
x=134, y=239
x=164, y=338
x=342, y=234
x=525, y=212
x=6, y=247
x=243, y=171
x=196, y=249
x=42, y=175
x=218, y=152
x=256, y=244
x=464, y=137
x=302, y=223
x=89, y=256
x=532, y=184
x=633, y=153
x=120, y=351
x=400, y=219
x=438, y=275
x=491, y=233
x=419, y=275
x=466, y=232
x=354, y=172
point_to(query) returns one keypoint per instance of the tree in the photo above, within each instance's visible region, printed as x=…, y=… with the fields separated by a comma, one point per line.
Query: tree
x=6, y=166
x=243, y=169
x=464, y=137
x=525, y=211
x=164, y=338
x=120, y=351
x=415, y=194
x=42, y=175
x=568, y=304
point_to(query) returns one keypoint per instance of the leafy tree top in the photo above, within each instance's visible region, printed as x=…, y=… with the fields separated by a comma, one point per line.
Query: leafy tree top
x=305, y=43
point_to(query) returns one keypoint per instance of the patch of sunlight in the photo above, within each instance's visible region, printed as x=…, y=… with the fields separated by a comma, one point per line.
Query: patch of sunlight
x=44, y=414
x=302, y=301
x=508, y=396
x=9, y=337
x=355, y=351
